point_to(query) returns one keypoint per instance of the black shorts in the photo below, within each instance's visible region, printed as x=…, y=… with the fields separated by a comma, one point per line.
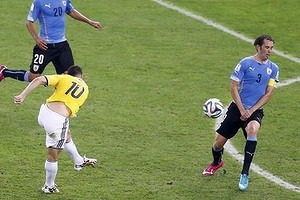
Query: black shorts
x=232, y=122
x=60, y=54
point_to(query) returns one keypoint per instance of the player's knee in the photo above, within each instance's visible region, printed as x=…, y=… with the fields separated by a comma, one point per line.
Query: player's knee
x=218, y=145
x=219, y=142
x=33, y=76
x=252, y=130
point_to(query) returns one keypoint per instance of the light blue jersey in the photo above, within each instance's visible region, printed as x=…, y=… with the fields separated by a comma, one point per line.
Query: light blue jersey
x=51, y=17
x=254, y=78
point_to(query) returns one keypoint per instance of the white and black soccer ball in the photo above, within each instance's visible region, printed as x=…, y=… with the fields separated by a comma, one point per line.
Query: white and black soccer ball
x=213, y=108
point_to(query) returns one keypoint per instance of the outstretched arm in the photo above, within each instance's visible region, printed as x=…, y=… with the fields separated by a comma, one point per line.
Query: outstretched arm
x=75, y=14
x=41, y=80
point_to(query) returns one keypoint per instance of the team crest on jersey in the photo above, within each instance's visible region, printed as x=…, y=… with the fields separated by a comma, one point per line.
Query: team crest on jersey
x=269, y=71
x=64, y=3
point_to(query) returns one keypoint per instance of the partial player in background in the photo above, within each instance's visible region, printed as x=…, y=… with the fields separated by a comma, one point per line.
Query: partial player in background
x=252, y=85
x=51, y=43
x=69, y=95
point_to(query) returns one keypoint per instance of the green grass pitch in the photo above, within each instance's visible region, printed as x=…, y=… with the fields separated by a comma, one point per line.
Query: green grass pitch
x=149, y=71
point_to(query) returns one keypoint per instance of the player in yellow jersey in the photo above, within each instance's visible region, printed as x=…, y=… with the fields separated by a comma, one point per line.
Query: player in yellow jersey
x=69, y=95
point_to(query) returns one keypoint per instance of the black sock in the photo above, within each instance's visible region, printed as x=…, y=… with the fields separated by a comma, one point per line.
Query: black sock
x=217, y=155
x=249, y=153
x=15, y=74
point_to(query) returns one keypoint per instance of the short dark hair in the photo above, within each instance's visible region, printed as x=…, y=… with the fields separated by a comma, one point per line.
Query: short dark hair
x=74, y=70
x=260, y=40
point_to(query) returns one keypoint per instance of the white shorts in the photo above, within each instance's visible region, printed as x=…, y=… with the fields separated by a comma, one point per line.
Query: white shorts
x=55, y=125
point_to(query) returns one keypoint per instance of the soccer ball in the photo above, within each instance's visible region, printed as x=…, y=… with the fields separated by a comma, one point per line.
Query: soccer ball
x=213, y=108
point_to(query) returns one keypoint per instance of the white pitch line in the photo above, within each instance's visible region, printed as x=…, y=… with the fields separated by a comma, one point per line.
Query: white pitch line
x=288, y=82
x=257, y=169
x=229, y=147
x=233, y=152
x=221, y=28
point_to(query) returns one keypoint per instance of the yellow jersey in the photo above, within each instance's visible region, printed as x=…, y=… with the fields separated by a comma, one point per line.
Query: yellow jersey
x=70, y=90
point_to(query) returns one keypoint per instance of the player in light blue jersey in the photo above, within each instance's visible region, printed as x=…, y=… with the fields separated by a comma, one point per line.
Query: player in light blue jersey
x=253, y=78
x=252, y=85
x=51, y=43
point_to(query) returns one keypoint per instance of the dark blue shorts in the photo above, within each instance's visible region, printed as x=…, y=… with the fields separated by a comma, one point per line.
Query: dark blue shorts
x=60, y=54
x=232, y=122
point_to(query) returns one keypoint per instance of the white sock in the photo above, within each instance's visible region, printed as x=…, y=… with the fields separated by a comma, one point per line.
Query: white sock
x=71, y=149
x=51, y=169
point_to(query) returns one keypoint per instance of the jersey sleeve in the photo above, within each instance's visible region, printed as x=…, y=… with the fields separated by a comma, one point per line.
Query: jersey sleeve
x=238, y=72
x=275, y=73
x=53, y=80
x=69, y=6
x=33, y=11
x=274, y=77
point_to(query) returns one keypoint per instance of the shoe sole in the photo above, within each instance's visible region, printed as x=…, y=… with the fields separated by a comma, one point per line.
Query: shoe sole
x=45, y=191
x=211, y=174
x=242, y=188
x=86, y=164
